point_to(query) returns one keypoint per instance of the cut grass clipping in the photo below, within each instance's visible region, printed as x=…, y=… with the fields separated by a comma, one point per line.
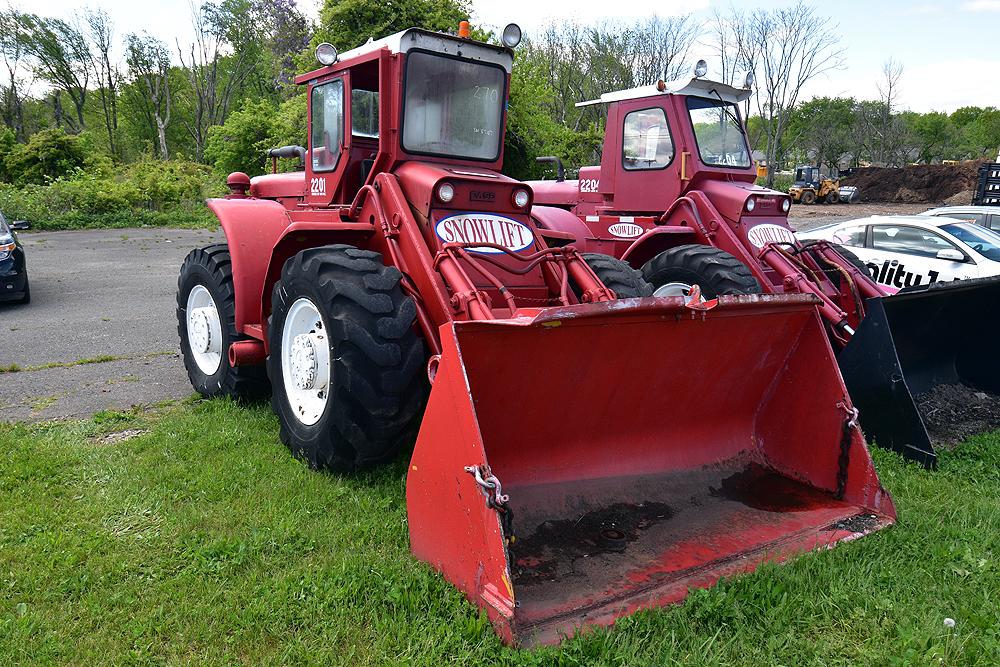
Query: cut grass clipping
x=198, y=539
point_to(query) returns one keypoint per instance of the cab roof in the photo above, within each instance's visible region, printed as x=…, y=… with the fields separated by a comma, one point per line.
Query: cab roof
x=417, y=38
x=694, y=87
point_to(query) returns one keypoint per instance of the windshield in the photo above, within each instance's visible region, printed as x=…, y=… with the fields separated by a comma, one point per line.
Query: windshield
x=453, y=107
x=982, y=240
x=718, y=132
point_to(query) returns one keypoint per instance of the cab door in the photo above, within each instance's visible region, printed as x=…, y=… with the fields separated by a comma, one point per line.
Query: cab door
x=329, y=143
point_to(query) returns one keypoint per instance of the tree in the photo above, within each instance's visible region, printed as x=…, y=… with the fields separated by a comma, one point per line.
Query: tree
x=12, y=51
x=933, y=132
x=148, y=62
x=796, y=45
x=241, y=143
x=108, y=76
x=61, y=57
x=821, y=127
x=887, y=126
x=350, y=23
x=215, y=77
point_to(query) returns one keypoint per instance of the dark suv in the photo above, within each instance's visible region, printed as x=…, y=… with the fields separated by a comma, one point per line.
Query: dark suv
x=13, y=268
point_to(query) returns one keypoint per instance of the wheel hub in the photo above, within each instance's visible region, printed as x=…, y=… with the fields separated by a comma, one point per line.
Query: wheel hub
x=200, y=327
x=303, y=361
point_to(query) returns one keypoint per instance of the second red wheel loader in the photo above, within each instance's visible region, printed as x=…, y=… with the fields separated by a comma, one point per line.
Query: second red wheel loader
x=579, y=455
x=674, y=196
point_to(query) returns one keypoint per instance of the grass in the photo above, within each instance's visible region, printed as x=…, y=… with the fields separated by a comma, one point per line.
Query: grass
x=201, y=541
x=100, y=359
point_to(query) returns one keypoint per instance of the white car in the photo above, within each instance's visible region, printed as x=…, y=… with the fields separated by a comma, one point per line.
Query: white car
x=987, y=216
x=906, y=250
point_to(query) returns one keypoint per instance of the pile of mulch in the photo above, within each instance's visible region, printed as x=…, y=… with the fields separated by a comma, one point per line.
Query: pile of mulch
x=917, y=184
x=954, y=412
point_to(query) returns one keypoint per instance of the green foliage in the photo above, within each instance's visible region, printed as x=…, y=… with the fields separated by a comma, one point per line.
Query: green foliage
x=350, y=23
x=241, y=143
x=150, y=193
x=532, y=129
x=48, y=155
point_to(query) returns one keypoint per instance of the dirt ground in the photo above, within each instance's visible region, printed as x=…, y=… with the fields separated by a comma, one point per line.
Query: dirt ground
x=954, y=412
x=803, y=217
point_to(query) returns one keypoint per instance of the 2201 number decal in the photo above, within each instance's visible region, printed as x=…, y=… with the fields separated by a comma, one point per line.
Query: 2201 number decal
x=317, y=187
x=589, y=184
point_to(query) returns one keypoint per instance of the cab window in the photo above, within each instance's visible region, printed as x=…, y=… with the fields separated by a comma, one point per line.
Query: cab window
x=995, y=222
x=909, y=240
x=364, y=113
x=646, y=143
x=327, y=125
x=851, y=236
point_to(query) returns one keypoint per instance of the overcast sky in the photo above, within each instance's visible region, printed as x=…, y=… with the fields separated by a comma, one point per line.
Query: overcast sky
x=948, y=49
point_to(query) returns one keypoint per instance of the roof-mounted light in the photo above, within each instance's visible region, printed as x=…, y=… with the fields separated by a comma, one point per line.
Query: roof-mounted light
x=700, y=69
x=511, y=35
x=748, y=79
x=464, y=29
x=326, y=53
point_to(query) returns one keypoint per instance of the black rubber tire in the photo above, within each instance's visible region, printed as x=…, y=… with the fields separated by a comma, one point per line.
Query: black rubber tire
x=833, y=197
x=715, y=271
x=26, y=299
x=808, y=197
x=212, y=267
x=378, y=380
x=852, y=258
x=626, y=282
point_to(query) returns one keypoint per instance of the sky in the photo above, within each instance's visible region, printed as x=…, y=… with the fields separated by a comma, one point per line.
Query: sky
x=948, y=49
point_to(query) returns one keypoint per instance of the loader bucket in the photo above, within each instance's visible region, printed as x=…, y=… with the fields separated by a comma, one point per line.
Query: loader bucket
x=643, y=448
x=922, y=368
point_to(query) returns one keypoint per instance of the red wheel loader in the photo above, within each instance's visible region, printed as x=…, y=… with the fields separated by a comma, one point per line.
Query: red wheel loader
x=572, y=459
x=674, y=196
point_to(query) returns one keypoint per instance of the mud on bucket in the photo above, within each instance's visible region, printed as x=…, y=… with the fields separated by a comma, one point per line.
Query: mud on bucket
x=602, y=458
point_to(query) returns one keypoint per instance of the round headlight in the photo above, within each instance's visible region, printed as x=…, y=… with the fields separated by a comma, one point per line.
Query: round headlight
x=786, y=204
x=326, y=53
x=700, y=68
x=511, y=35
x=751, y=204
x=521, y=198
x=748, y=79
x=446, y=192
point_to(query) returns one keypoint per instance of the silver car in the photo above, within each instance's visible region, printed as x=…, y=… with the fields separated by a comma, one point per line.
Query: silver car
x=987, y=216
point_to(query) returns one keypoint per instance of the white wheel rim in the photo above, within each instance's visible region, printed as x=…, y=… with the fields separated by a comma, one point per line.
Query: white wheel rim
x=305, y=362
x=673, y=289
x=204, y=330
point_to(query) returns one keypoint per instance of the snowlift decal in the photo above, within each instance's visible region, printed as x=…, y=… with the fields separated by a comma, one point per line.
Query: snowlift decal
x=484, y=228
x=761, y=235
x=625, y=230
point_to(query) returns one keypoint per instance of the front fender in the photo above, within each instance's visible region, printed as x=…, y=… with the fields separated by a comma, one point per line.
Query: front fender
x=252, y=228
x=655, y=241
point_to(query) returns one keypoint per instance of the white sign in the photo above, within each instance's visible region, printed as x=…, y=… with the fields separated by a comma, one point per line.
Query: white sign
x=625, y=230
x=484, y=228
x=761, y=235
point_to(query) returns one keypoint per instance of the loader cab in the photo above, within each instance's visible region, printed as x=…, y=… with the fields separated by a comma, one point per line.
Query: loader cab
x=413, y=96
x=807, y=177
x=661, y=141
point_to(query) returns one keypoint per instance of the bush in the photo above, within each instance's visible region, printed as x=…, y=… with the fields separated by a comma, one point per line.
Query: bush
x=241, y=143
x=48, y=155
x=146, y=193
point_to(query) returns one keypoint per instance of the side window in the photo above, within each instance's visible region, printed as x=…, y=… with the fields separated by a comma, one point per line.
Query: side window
x=364, y=113
x=647, y=143
x=850, y=236
x=995, y=222
x=978, y=218
x=909, y=240
x=327, y=125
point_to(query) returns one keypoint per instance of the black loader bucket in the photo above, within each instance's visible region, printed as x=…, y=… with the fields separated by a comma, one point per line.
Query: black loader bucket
x=923, y=367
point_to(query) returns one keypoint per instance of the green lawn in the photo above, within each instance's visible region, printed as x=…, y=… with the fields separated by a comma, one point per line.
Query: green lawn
x=201, y=540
